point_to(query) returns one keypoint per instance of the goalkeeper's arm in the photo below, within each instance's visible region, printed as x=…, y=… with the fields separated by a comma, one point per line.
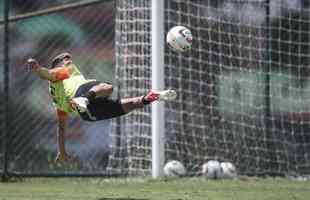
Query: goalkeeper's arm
x=53, y=75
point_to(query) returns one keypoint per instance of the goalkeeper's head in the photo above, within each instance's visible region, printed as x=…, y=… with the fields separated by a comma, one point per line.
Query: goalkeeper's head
x=61, y=60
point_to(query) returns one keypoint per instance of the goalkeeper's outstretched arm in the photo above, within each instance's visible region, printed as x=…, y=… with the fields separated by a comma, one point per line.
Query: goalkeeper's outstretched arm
x=56, y=74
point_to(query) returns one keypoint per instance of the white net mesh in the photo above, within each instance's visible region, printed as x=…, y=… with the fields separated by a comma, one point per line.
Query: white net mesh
x=131, y=147
x=243, y=89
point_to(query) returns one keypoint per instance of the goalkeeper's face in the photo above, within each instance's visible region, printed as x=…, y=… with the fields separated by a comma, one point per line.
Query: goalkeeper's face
x=64, y=62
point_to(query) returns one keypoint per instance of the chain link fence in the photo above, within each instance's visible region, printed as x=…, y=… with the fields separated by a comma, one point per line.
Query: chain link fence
x=237, y=87
x=43, y=29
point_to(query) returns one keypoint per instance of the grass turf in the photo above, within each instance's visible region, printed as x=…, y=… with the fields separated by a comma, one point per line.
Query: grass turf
x=149, y=189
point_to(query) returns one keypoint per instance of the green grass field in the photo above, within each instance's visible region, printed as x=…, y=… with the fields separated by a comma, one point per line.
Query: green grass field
x=149, y=189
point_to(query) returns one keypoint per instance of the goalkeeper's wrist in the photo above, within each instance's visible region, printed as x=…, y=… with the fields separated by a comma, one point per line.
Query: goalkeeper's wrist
x=36, y=68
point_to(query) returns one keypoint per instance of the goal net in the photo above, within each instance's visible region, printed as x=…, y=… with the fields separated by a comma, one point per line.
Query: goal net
x=243, y=89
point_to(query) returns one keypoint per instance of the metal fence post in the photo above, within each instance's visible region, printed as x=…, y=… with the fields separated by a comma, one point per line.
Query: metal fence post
x=268, y=67
x=6, y=123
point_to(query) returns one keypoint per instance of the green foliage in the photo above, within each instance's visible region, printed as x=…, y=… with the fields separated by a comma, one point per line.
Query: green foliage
x=99, y=69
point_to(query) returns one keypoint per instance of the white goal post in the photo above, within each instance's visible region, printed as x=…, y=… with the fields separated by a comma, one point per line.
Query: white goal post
x=157, y=54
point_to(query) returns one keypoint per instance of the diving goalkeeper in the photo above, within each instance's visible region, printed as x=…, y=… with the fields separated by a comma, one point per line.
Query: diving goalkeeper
x=74, y=95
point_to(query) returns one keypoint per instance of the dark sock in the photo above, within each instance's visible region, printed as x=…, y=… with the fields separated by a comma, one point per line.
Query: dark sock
x=90, y=95
x=144, y=101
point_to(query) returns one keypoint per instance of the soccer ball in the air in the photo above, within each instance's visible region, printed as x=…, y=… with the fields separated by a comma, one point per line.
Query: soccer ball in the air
x=229, y=170
x=174, y=168
x=212, y=169
x=179, y=38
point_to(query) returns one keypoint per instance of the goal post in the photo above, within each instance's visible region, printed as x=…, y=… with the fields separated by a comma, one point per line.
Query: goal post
x=158, y=79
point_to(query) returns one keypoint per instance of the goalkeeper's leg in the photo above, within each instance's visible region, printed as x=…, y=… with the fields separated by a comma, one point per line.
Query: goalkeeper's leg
x=130, y=104
x=105, y=108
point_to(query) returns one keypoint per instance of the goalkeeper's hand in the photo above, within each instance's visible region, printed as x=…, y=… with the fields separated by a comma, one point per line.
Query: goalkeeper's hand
x=32, y=64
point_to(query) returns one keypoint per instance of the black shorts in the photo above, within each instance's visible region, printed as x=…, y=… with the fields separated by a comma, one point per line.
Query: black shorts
x=102, y=107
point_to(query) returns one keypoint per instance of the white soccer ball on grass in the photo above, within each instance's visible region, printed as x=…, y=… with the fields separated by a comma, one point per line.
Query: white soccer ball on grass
x=174, y=168
x=229, y=170
x=179, y=38
x=212, y=169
